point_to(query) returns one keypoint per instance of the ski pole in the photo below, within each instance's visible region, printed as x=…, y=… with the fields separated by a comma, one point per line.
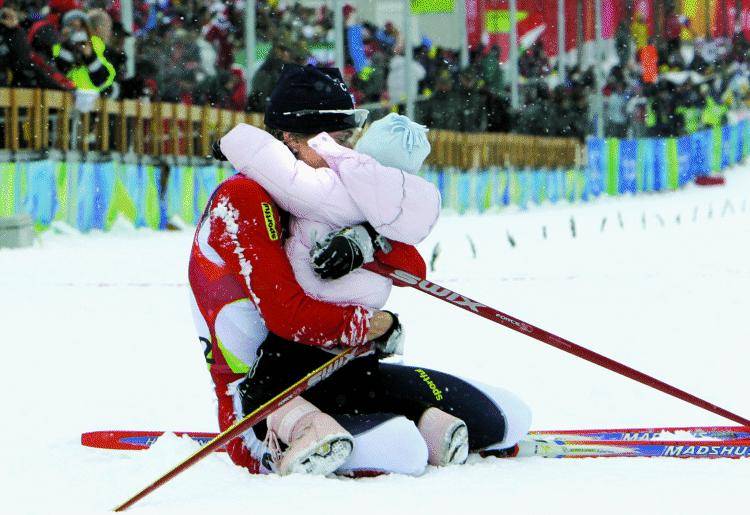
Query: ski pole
x=307, y=382
x=511, y=322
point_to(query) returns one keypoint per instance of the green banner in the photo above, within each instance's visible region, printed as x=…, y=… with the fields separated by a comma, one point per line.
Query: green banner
x=498, y=21
x=515, y=188
x=541, y=191
x=188, y=185
x=7, y=188
x=432, y=6
x=613, y=166
x=673, y=166
x=122, y=203
x=152, y=209
x=489, y=191
x=716, y=149
x=61, y=183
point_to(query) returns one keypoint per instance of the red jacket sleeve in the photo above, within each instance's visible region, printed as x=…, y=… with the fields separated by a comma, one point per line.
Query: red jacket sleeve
x=403, y=257
x=246, y=231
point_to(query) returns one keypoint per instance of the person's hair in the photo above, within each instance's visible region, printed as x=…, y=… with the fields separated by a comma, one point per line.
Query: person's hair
x=279, y=134
x=101, y=24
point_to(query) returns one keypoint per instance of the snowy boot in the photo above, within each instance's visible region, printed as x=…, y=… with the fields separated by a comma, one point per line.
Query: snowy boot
x=316, y=443
x=447, y=437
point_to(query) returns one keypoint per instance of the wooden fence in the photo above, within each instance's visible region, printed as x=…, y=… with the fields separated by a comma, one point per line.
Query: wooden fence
x=469, y=151
x=39, y=120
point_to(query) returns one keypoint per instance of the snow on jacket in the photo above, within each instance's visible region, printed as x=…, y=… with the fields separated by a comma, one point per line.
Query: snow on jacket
x=355, y=189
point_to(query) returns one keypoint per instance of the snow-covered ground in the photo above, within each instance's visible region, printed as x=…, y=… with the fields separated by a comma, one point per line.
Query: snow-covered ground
x=98, y=335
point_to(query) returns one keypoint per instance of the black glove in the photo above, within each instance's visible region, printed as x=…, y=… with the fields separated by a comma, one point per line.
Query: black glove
x=392, y=341
x=216, y=151
x=345, y=250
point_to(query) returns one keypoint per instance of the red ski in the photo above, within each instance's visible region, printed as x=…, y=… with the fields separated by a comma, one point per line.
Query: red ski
x=137, y=440
x=140, y=440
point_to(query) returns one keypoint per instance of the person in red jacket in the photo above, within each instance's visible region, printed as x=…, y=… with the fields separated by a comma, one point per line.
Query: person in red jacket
x=260, y=333
x=45, y=33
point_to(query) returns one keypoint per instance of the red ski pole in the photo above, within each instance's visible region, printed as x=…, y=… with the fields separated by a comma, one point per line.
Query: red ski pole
x=514, y=323
x=311, y=379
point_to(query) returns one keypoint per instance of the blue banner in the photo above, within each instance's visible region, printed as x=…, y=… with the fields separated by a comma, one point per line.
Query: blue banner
x=41, y=194
x=505, y=179
x=356, y=47
x=628, y=166
x=659, y=149
x=645, y=165
x=726, y=146
x=464, y=192
x=595, y=171
x=684, y=153
x=554, y=185
x=739, y=131
x=526, y=185
x=700, y=157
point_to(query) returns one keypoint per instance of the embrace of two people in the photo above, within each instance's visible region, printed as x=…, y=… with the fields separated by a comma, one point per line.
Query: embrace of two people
x=277, y=285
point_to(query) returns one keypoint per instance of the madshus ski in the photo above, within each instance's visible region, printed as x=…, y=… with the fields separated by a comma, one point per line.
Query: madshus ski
x=693, y=442
x=648, y=433
x=633, y=449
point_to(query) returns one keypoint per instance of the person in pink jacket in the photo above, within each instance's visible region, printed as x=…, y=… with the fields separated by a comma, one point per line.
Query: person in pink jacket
x=349, y=189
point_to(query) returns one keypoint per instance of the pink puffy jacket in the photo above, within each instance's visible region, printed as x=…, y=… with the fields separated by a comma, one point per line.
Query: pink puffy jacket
x=355, y=189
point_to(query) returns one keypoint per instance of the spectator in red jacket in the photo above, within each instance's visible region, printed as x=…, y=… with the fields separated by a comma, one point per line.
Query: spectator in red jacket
x=45, y=33
x=218, y=32
x=19, y=65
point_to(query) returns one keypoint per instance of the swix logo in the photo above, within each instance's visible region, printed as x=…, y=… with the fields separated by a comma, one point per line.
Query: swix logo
x=328, y=371
x=437, y=290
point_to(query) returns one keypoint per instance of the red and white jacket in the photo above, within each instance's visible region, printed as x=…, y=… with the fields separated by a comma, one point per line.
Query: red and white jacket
x=243, y=287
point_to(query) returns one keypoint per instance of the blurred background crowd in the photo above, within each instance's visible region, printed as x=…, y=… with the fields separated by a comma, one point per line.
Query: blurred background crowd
x=192, y=51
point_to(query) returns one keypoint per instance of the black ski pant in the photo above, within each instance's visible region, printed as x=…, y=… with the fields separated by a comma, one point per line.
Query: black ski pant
x=366, y=391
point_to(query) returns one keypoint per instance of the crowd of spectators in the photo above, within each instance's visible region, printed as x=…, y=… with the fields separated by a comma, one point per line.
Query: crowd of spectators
x=191, y=51
x=693, y=85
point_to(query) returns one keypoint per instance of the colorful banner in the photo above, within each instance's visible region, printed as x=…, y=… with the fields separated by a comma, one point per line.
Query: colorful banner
x=658, y=164
x=93, y=195
x=538, y=17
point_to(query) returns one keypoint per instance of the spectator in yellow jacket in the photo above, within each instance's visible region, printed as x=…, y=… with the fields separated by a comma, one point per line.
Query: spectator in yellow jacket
x=81, y=55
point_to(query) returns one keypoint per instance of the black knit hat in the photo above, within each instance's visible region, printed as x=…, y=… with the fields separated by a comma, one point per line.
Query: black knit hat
x=304, y=98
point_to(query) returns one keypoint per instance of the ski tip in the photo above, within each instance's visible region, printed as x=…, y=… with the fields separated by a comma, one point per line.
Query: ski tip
x=96, y=439
x=120, y=440
x=135, y=440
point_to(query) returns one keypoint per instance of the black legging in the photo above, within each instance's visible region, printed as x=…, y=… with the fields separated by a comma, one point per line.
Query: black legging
x=368, y=387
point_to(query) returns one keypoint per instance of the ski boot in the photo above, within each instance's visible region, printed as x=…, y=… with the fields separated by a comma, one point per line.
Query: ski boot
x=447, y=437
x=316, y=443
